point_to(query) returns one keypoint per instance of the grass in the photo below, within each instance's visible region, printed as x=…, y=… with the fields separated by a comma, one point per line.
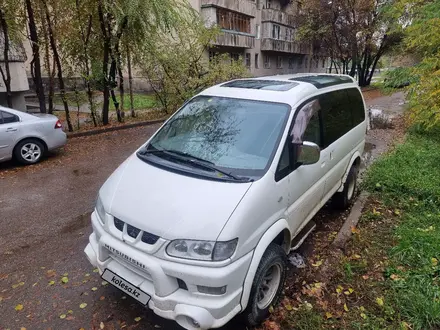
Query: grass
x=140, y=102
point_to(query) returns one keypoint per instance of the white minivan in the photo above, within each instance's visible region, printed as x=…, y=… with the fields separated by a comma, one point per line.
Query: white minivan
x=197, y=223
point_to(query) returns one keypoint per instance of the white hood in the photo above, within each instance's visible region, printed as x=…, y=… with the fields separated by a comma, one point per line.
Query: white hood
x=168, y=204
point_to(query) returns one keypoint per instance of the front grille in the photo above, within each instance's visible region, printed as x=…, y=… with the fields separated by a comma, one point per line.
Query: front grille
x=134, y=232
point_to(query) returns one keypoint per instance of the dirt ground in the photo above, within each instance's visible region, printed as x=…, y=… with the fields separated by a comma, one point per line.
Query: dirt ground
x=45, y=279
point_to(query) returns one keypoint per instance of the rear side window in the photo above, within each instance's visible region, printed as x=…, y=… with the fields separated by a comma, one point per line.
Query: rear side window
x=356, y=105
x=7, y=118
x=336, y=116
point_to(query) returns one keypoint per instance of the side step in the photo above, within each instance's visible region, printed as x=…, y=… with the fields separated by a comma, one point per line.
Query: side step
x=302, y=235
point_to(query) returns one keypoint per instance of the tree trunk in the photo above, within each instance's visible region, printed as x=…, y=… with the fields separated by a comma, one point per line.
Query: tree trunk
x=6, y=77
x=130, y=82
x=112, y=81
x=106, y=54
x=58, y=64
x=35, y=63
x=50, y=71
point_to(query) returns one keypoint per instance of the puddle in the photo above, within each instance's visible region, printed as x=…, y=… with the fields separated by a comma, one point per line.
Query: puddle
x=77, y=223
x=379, y=119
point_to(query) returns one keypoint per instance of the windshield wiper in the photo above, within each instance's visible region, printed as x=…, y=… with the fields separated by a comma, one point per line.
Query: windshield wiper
x=190, y=159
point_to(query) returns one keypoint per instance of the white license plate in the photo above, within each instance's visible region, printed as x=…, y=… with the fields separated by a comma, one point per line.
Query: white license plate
x=126, y=286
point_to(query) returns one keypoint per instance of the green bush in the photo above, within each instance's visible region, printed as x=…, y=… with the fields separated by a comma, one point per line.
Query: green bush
x=399, y=77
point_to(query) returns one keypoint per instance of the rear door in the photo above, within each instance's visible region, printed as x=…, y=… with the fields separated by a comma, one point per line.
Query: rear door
x=9, y=133
x=338, y=141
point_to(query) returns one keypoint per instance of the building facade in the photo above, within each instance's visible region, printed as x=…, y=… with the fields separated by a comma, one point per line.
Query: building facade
x=263, y=33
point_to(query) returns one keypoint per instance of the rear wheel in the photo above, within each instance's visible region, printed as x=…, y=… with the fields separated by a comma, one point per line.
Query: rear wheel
x=29, y=151
x=267, y=286
x=342, y=200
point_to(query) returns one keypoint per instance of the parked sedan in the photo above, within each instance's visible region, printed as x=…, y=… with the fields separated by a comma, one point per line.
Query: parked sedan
x=27, y=137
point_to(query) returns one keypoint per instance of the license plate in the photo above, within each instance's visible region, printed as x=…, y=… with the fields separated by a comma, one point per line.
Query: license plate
x=126, y=286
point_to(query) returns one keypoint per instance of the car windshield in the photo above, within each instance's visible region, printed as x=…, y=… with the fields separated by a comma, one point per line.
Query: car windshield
x=235, y=135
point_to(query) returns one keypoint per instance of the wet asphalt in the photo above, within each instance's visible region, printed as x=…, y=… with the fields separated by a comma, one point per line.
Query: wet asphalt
x=46, y=282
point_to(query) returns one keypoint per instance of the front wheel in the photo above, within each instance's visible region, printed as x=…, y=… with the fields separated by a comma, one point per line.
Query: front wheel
x=267, y=286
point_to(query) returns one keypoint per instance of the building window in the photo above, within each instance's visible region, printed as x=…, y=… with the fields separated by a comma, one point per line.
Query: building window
x=268, y=3
x=279, y=62
x=234, y=57
x=276, y=31
x=257, y=65
x=248, y=60
x=291, y=62
x=229, y=20
x=258, y=31
x=266, y=62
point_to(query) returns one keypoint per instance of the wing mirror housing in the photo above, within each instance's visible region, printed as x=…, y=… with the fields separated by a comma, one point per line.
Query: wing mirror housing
x=308, y=153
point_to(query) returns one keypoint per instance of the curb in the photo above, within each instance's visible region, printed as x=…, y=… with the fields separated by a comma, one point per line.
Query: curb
x=114, y=128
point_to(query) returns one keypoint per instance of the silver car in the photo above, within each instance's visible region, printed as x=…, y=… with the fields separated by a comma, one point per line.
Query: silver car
x=26, y=137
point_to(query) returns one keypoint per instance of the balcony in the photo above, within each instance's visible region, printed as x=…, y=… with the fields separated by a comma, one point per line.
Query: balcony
x=277, y=16
x=234, y=39
x=283, y=46
x=246, y=7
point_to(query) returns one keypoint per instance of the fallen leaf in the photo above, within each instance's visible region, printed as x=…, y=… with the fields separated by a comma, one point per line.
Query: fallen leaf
x=19, y=307
x=83, y=305
x=339, y=289
x=101, y=325
x=104, y=283
x=63, y=316
x=396, y=212
x=70, y=311
x=346, y=308
x=271, y=309
x=289, y=307
x=101, y=298
x=394, y=277
x=51, y=273
x=70, y=318
x=379, y=301
x=87, y=275
x=317, y=264
x=137, y=319
x=328, y=315
x=434, y=261
x=357, y=256
x=94, y=288
x=365, y=277
x=363, y=315
x=362, y=309
x=64, y=279
x=51, y=282
x=95, y=270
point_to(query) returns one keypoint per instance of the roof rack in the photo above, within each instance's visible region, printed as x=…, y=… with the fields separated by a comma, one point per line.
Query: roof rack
x=323, y=80
x=270, y=85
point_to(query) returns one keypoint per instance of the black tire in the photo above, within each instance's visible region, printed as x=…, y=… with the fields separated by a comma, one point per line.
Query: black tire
x=21, y=156
x=273, y=257
x=342, y=200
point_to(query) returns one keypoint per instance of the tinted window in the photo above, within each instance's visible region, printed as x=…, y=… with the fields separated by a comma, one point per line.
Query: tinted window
x=336, y=116
x=8, y=118
x=284, y=164
x=356, y=105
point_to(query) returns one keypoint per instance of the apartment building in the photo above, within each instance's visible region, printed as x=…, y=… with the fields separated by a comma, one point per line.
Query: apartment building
x=263, y=33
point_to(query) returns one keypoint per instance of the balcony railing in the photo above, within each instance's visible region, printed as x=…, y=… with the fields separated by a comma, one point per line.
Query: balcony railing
x=278, y=16
x=231, y=39
x=246, y=7
x=284, y=46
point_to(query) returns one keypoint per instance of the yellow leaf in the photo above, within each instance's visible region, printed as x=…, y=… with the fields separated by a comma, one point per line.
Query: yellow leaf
x=63, y=316
x=434, y=261
x=19, y=307
x=289, y=307
x=396, y=212
x=51, y=282
x=317, y=264
x=379, y=301
x=347, y=293
x=137, y=319
x=104, y=283
x=363, y=315
x=83, y=305
x=95, y=270
x=64, y=279
x=70, y=311
x=94, y=288
x=346, y=308
x=271, y=309
x=22, y=328
x=87, y=275
x=101, y=325
x=339, y=289
x=362, y=309
x=350, y=290
x=357, y=256
x=328, y=315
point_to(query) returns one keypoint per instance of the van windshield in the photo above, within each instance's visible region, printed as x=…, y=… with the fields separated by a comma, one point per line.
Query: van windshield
x=237, y=136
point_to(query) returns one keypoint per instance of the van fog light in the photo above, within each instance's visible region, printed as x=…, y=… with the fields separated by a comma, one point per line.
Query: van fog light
x=212, y=290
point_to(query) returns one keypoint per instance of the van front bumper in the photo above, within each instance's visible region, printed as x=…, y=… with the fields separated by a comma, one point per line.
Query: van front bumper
x=159, y=279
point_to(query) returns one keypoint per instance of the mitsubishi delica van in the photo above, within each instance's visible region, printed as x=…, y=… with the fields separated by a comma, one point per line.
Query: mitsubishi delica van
x=197, y=223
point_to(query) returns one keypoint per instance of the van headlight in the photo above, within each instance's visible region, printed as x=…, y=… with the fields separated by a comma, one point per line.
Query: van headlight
x=100, y=210
x=202, y=250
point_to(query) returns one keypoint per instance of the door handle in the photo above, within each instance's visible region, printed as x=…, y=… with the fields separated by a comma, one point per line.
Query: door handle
x=11, y=129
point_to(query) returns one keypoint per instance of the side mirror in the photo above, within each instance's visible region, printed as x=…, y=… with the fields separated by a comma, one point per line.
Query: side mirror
x=308, y=153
